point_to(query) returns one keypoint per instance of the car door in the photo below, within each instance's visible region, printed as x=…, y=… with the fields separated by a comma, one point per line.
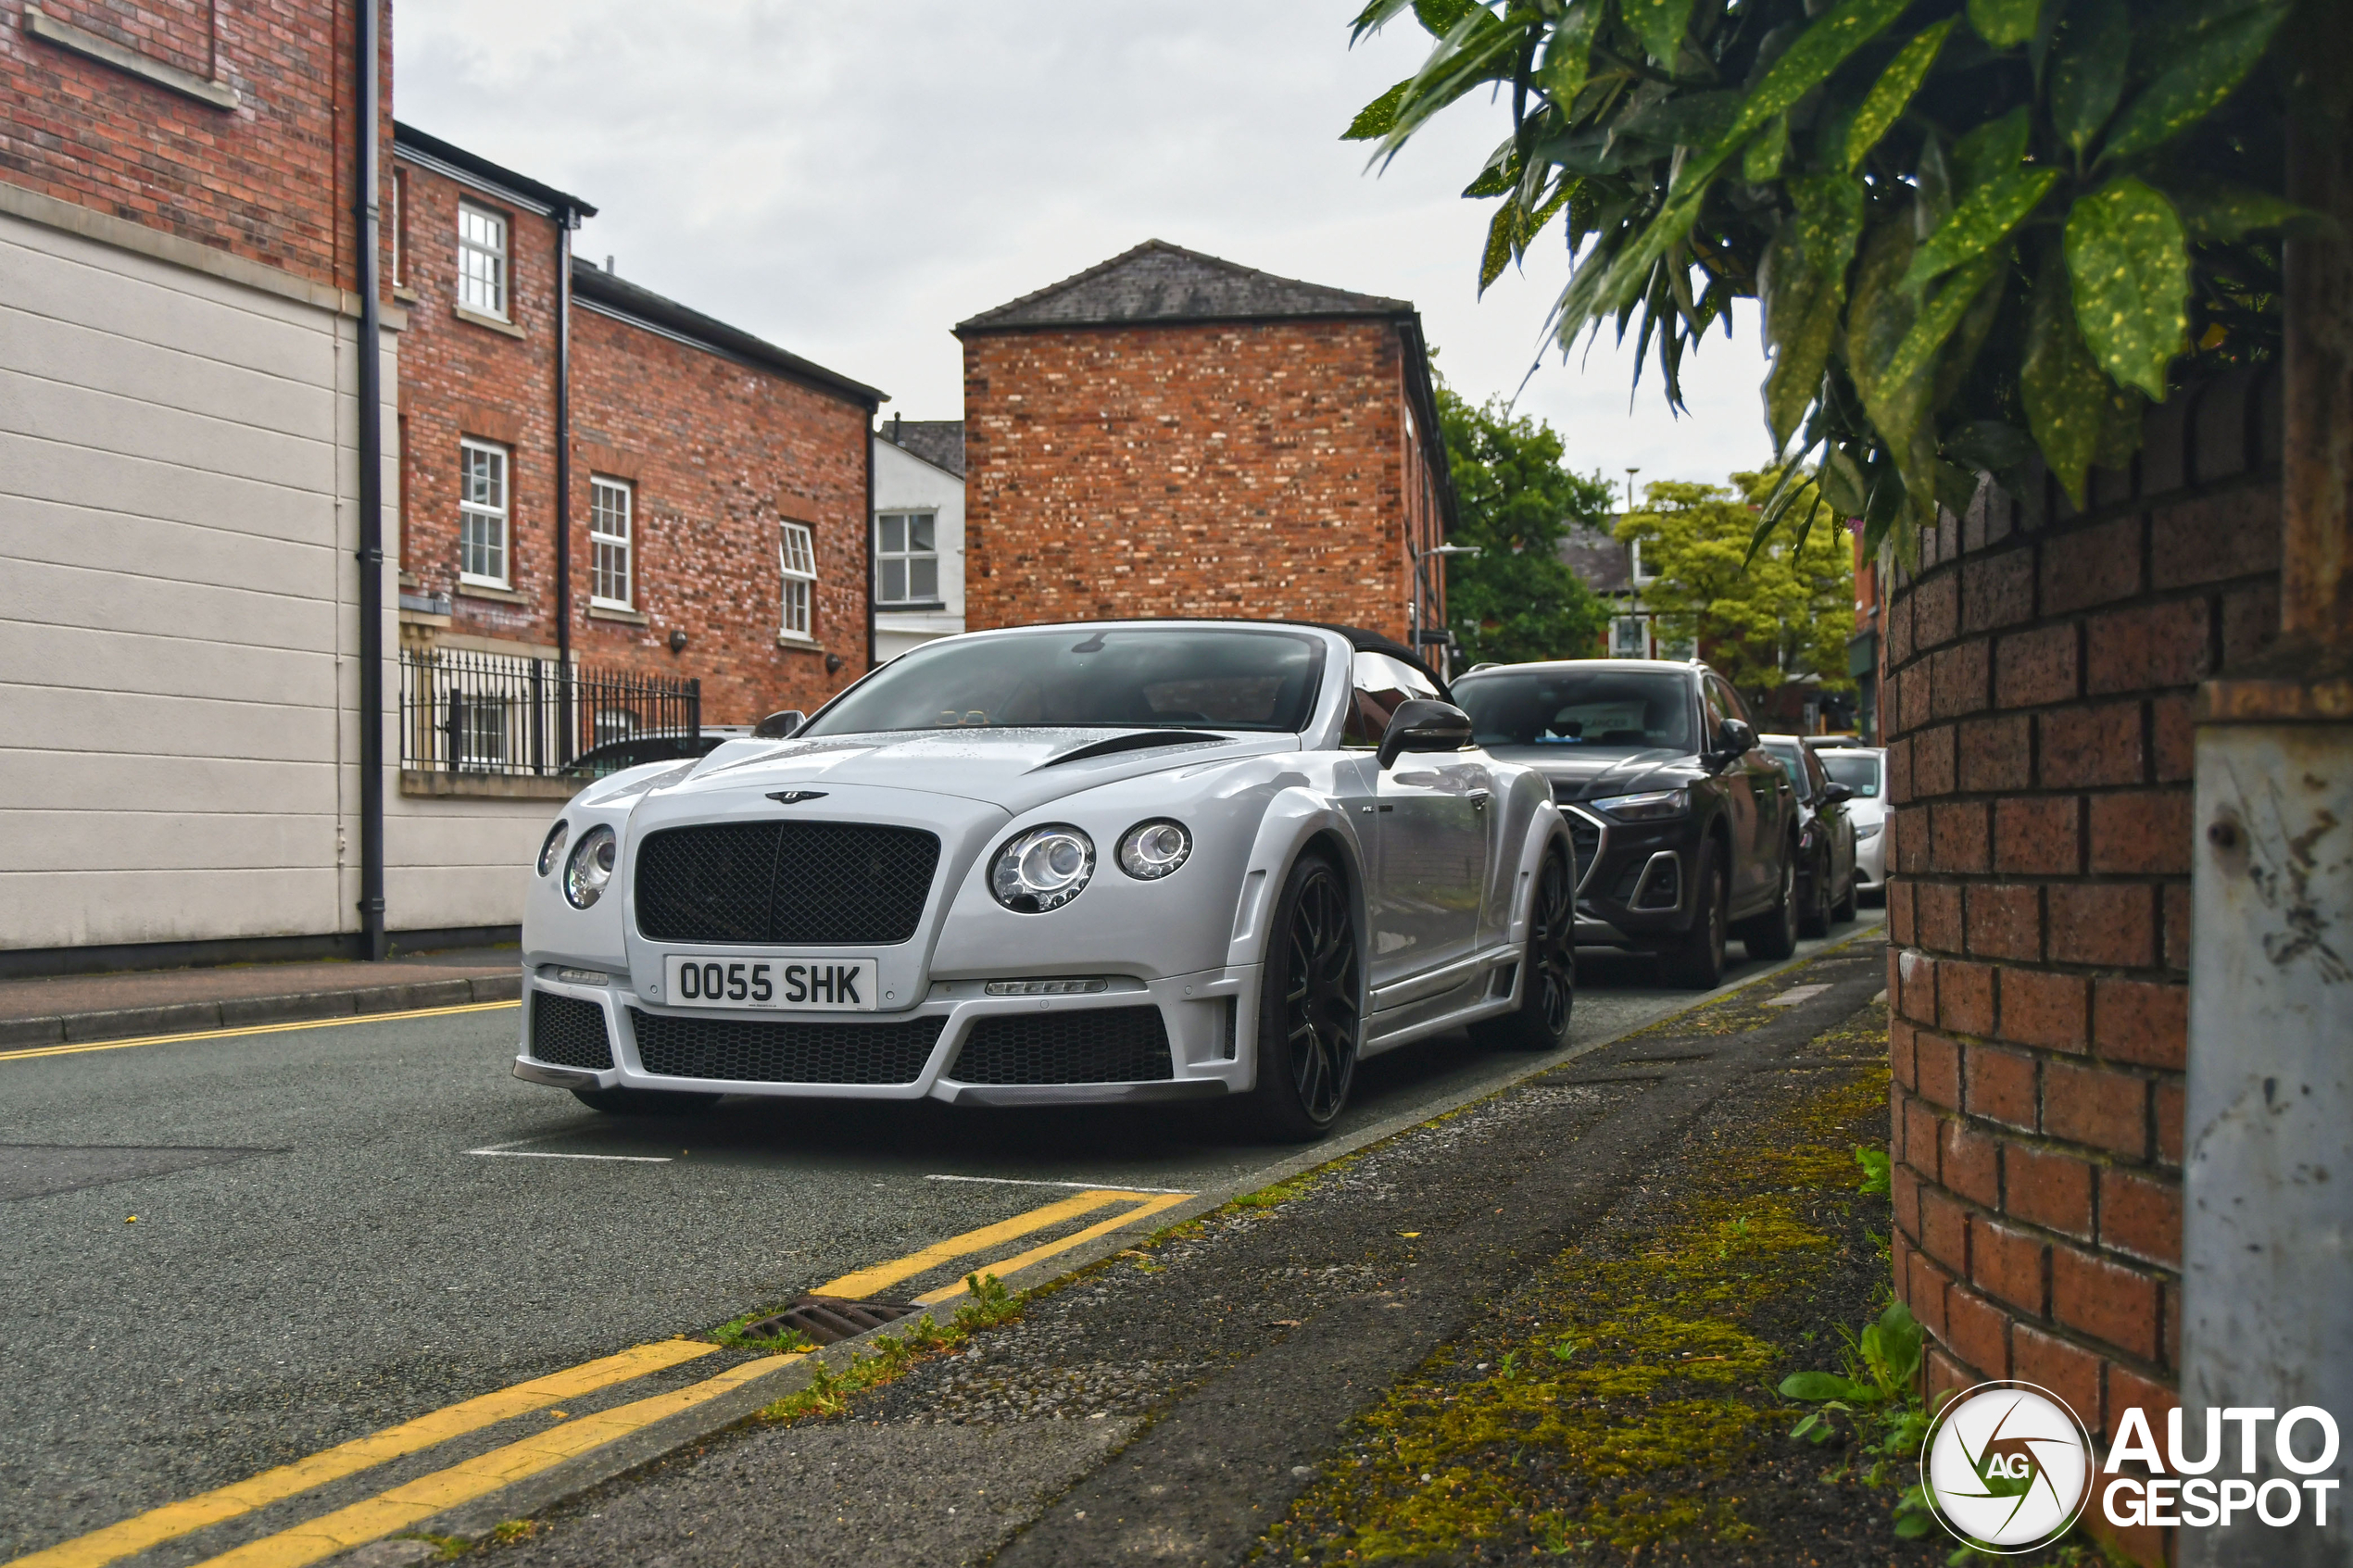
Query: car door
x=1739, y=798
x=1773, y=800
x=1429, y=825
x=1838, y=823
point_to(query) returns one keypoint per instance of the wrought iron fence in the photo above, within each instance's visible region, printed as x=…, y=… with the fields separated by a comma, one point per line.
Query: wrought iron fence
x=464, y=712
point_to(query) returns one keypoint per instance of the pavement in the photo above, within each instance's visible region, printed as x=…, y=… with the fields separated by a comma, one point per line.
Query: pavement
x=238, y=1251
x=53, y=1009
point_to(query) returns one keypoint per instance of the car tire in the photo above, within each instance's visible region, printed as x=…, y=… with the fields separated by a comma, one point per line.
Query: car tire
x=1845, y=909
x=1310, y=1006
x=1773, y=934
x=1548, y=971
x=645, y=1102
x=1696, y=962
x=1814, y=916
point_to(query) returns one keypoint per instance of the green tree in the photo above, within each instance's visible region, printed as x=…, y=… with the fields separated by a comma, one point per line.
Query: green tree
x=1514, y=500
x=1976, y=228
x=1764, y=620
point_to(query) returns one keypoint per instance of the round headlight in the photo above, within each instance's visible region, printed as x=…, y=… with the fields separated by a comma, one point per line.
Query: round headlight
x=554, y=847
x=1150, y=850
x=590, y=867
x=1042, y=870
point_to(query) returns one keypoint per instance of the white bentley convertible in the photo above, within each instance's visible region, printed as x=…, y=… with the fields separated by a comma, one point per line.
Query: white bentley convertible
x=1115, y=861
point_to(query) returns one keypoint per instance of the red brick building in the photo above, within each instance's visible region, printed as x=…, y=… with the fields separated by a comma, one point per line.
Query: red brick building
x=1168, y=433
x=717, y=483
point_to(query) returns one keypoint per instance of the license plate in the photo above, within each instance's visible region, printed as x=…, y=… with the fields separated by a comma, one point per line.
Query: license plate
x=825, y=984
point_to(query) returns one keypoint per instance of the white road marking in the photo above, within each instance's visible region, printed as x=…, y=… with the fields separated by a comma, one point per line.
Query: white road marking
x=1795, y=995
x=540, y=1154
x=1087, y=1186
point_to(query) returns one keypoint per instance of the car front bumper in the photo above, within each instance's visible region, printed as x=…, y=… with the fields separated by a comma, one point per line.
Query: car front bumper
x=1207, y=1019
x=1633, y=887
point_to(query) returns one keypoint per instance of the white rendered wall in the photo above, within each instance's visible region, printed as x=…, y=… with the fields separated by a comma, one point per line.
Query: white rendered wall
x=905, y=482
x=178, y=630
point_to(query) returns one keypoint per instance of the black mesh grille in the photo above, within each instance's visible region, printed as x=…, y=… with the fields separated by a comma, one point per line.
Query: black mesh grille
x=782, y=884
x=784, y=1053
x=569, y=1032
x=1099, y=1046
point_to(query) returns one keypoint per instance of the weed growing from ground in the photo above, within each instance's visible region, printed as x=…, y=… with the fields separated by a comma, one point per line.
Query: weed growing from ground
x=889, y=1356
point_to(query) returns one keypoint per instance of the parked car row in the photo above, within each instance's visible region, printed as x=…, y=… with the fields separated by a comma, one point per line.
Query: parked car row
x=1118, y=862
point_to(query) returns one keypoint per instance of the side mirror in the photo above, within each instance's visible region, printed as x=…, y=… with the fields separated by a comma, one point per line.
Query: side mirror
x=1733, y=738
x=1420, y=724
x=780, y=726
x=1835, y=793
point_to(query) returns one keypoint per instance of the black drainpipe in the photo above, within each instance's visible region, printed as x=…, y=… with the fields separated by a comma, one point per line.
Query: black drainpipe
x=565, y=223
x=372, y=938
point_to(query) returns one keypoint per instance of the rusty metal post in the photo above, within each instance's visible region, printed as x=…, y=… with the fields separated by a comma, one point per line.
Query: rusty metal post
x=2268, y=1175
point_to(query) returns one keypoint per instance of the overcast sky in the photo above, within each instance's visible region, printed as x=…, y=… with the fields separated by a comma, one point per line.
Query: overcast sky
x=849, y=180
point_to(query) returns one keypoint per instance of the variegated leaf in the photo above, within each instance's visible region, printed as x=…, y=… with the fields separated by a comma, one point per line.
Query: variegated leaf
x=1659, y=24
x=2003, y=23
x=1982, y=222
x=1893, y=92
x=2085, y=77
x=2064, y=391
x=2128, y=262
x=1568, y=52
x=2193, y=84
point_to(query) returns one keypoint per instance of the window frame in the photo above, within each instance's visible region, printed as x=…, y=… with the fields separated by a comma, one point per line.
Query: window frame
x=471, y=511
x=802, y=578
x=600, y=542
x=908, y=556
x=502, y=259
x=399, y=228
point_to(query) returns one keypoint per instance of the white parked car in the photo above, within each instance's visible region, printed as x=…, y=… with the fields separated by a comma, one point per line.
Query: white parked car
x=1115, y=861
x=1863, y=769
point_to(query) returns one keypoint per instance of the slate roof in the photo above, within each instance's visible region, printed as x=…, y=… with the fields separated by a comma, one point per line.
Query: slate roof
x=939, y=442
x=1600, y=559
x=593, y=286
x=408, y=139
x=1158, y=281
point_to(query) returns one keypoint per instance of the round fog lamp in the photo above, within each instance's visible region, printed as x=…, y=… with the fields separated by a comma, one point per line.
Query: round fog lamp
x=590, y=867
x=1150, y=850
x=1042, y=869
x=554, y=847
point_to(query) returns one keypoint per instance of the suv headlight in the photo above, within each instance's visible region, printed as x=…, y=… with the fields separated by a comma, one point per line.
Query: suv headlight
x=1150, y=850
x=1653, y=806
x=1042, y=869
x=590, y=867
x=554, y=847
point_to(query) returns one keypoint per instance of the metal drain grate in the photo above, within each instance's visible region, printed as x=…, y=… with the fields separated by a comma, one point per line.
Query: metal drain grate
x=825, y=1318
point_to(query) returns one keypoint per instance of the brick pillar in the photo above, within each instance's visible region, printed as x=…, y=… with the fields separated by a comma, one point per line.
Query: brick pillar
x=2040, y=667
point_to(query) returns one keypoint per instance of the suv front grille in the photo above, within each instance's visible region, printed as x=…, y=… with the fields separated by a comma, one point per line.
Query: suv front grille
x=1097, y=1046
x=569, y=1032
x=785, y=884
x=745, y=1052
x=1584, y=834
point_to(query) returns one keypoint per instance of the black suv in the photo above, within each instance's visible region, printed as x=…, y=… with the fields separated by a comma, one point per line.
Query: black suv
x=1685, y=829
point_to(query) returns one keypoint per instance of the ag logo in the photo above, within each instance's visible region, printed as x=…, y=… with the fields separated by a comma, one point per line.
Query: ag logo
x=2007, y=1466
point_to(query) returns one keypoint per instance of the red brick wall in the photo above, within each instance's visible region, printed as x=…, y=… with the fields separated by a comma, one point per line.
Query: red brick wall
x=1233, y=469
x=269, y=181
x=457, y=379
x=720, y=453
x=2040, y=671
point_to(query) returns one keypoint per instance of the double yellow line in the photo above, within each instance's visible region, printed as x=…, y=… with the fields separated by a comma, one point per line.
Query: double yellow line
x=413, y=1503
x=77, y=1048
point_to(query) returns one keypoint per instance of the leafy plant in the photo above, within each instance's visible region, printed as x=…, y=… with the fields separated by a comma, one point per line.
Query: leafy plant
x=1876, y=1390
x=1877, y=1171
x=1976, y=228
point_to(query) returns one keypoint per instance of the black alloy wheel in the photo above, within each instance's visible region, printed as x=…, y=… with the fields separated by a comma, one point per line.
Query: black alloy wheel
x=1548, y=983
x=1696, y=962
x=1310, y=1016
x=1772, y=935
x=1814, y=915
x=645, y=1102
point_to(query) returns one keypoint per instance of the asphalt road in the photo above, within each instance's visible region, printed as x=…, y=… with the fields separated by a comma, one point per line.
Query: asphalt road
x=319, y=1250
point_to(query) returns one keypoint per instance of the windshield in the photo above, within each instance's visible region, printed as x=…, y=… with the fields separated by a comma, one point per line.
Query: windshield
x=1135, y=678
x=1578, y=707
x=1858, y=770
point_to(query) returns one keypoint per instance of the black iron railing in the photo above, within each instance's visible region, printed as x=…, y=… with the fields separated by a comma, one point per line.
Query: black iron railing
x=465, y=712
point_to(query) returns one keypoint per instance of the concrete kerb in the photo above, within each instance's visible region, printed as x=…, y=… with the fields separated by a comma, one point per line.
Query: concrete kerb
x=472, y=1521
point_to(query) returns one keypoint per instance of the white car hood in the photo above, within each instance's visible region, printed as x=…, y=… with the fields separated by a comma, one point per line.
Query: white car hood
x=1016, y=769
